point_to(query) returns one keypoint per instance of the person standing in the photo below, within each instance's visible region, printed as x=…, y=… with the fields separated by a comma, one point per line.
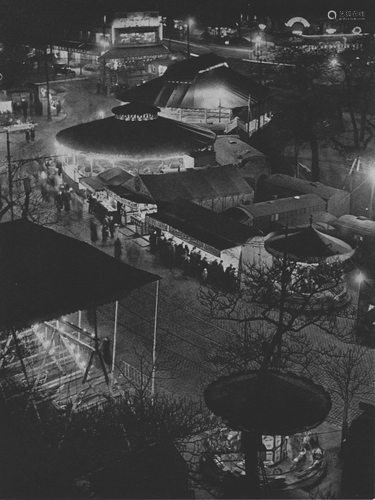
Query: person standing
x=27, y=134
x=24, y=108
x=59, y=201
x=32, y=134
x=93, y=232
x=118, y=249
x=105, y=233
x=66, y=199
x=111, y=226
x=58, y=108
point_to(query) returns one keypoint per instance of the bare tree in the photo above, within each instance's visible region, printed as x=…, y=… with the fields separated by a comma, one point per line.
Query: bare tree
x=272, y=312
x=347, y=372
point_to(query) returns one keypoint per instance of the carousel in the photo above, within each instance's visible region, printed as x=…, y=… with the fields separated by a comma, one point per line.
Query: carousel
x=135, y=139
x=53, y=356
x=309, y=253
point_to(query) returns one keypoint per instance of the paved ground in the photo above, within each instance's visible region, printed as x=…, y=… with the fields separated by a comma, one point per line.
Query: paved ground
x=191, y=334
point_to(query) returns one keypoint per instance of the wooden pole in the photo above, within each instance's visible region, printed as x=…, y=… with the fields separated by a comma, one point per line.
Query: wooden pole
x=154, y=342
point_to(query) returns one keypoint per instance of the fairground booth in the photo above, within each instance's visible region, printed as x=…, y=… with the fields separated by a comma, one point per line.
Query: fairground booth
x=49, y=281
x=136, y=139
x=308, y=247
x=204, y=90
x=216, y=237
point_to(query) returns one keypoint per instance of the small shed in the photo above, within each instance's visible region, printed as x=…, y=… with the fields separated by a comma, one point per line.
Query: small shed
x=281, y=185
x=267, y=215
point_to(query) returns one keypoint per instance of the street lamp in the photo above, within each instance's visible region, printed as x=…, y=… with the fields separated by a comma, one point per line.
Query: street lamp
x=262, y=27
x=370, y=210
x=105, y=44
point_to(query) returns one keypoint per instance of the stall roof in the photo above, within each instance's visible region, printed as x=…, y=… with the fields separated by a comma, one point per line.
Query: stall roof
x=283, y=205
x=303, y=186
x=211, y=228
x=202, y=82
x=44, y=275
x=139, y=139
x=205, y=184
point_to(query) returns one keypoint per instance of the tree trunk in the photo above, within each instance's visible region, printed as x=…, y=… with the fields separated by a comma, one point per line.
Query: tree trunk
x=363, y=122
x=351, y=112
x=314, y=145
x=344, y=422
x=250, y=443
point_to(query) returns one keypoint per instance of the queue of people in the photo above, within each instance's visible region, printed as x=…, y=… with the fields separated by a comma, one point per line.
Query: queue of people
x=192, y=263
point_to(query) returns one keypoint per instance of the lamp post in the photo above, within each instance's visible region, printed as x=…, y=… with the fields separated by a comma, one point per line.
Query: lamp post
x=104, y=44
x=370, y=208
x=262, y=27
x=360, y=278
x=188, y=25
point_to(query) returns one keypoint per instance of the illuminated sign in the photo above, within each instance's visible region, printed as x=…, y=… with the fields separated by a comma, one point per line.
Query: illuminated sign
x=357, y=30
x=295, y=20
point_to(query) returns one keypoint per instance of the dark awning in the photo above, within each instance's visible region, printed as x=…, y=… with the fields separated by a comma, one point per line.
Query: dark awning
x=44, y=275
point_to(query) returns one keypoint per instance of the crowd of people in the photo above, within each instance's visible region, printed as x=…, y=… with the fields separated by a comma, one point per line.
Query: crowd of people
x=192, y=263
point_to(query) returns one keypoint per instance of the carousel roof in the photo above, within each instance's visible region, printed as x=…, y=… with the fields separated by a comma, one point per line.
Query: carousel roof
x=308, y=245
x=44, y=275
x=201, y=82
x=282, y=403
x=136, y=130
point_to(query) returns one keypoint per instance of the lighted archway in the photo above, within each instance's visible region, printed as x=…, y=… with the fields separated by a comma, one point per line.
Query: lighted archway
x=297, y=19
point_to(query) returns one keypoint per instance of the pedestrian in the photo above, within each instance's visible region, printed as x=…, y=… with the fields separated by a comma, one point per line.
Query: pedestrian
x=59, y=201
x=59, y=167
x=105, y=233
x=204, y=275
x=92, y=201
x=66, y=196
x=58, y=108
x=111, y=226
x=32, y=134
x=118, y=249
x=27, y=134
x=153, y=241
x=24, y=107
x=93, y=232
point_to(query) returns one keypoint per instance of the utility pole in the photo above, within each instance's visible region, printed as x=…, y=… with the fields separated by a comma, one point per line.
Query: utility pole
x=10, y=180
x=49, y=117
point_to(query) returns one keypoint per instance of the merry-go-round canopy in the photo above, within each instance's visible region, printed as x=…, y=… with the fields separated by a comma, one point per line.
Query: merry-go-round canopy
x=137, y=131
x=282, y=403
x=44, y=275
x=308, y=245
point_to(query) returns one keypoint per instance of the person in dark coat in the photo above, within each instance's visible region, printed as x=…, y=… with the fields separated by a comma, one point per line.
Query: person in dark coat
x=118, y=249
x=66, y=196
x=32, y=134
x=153, y=241
x=92, y=201
x=111, y=226
x=105, y=233
x=24, y=107
x=186, y=266
x=59, y=201
x=93, y=232
x=27, y=135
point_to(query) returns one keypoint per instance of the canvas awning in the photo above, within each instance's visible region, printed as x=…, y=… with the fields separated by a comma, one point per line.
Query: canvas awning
x=131, y=53
x=44, y=275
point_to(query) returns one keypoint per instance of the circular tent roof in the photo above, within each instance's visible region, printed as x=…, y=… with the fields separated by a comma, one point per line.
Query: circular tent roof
x=308, y=245
x=136, y=130
x=281, y=404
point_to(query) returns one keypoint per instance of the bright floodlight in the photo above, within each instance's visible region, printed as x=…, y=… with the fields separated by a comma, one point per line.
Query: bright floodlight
x=334, y=61
x=262, y=26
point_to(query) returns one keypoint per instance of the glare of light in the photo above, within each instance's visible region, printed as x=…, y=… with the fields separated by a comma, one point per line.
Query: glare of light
x=258, y=39
x=262, y=26
x=334, y=62
x=101, y=114
x=330, y=31
x=360, y=277
x=297, y=32
x=227, y=42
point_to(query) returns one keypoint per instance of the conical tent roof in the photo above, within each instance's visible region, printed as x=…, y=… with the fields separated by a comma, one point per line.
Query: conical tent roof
x=136, y=130
x=282, y=403
x=308, y=245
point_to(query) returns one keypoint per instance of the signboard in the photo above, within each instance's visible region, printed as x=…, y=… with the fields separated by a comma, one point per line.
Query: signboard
x=194, y=242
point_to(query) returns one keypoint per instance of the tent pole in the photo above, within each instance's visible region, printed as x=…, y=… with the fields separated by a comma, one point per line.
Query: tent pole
x=114, y=339
x=154, y=342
